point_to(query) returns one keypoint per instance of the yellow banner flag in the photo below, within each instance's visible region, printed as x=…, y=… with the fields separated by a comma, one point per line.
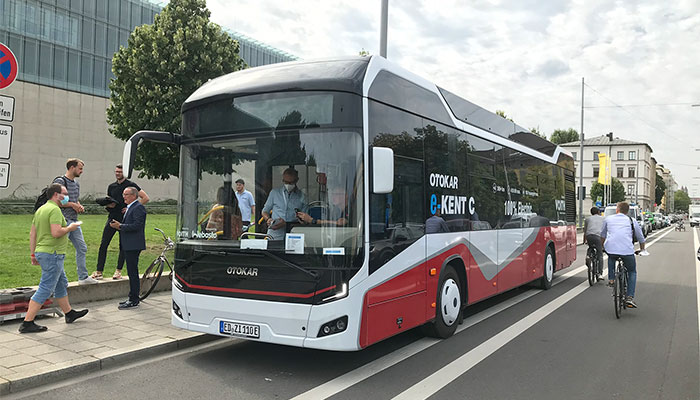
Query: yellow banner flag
x=604, y=169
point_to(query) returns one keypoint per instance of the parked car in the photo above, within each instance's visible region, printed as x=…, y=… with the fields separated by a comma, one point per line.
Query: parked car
x=658, y=220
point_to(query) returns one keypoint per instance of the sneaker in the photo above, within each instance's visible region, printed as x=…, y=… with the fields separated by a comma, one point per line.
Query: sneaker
x=611, y=283
x=128, y=305
x=72, y=315
x=31, y=327
x=117, y=274
x=630, y=302
x=97, y=275
x=87, y=281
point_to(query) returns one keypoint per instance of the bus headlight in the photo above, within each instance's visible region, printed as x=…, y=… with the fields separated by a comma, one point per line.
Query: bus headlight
x=336, y=326
x=177, y=310
x=343, y=292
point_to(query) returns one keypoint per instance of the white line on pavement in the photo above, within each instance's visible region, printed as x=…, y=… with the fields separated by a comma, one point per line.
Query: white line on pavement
x=697, y=275
x=445, y=375
x=355, y=376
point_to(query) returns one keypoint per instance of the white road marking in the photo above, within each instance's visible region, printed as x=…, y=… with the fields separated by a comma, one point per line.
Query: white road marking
x=697, y=275
x=355, y=376
x=445, y=375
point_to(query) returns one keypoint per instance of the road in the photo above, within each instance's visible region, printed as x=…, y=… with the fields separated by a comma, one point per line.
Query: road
x=525, y=344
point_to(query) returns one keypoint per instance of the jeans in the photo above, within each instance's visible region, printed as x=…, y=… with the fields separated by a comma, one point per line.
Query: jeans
x=594, y=241
x=630, y=264
x=76, y=237
x=107, y=235
x=53, y=277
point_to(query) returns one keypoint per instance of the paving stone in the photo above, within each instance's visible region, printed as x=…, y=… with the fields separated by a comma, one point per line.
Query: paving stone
x=10, y=336
x=41, y=349
x=6, y=352
x=32, y=367
x=81, y=346
x=25, y=342
x=17, y=360
x=135, y=334
x=60, y=356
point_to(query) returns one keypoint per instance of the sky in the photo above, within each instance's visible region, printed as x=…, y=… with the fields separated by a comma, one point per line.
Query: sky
x=640, y=59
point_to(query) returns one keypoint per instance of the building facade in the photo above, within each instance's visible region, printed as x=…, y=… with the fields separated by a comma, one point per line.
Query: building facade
x=668, y=201
x=631, y=164
x=64, y=50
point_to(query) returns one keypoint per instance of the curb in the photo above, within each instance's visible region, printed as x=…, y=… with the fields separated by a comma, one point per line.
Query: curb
x=103, y=361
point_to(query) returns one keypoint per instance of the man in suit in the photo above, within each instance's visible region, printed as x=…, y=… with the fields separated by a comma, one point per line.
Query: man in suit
x=133, y=240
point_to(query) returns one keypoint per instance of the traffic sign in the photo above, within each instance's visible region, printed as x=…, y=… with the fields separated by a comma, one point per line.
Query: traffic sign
x=4, y=174
x=7, y=108
x=8, y=66
x=5, y=141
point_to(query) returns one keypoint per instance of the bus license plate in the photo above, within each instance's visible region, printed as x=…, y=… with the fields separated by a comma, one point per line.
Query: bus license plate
x=236, y=329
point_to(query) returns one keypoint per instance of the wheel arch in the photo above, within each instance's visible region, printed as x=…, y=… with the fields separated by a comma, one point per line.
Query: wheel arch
x=457, y=264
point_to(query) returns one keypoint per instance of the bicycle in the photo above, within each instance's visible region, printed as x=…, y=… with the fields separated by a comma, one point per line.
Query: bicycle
x=151, y=276
x=592, y=264
x=620, y=285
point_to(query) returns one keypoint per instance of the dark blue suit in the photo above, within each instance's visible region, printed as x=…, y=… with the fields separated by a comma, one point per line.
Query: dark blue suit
x=133, y=240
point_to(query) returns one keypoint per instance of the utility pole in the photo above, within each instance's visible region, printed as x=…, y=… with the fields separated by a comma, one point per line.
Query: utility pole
x=383, y=28
x=580, y=165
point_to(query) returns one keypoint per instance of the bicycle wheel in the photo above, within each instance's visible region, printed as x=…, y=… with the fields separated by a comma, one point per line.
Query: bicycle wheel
x=616, y=298
x=621, y=291
x=591, y=264
x=150, y=278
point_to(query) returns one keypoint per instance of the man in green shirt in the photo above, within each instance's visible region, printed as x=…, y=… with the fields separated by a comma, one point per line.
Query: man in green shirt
x=47, y=242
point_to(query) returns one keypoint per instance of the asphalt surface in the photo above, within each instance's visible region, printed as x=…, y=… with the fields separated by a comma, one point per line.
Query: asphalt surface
x=560, y=343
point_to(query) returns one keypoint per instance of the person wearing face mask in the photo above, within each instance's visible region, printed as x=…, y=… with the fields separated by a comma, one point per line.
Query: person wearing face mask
x=48, y=239
x=283, y=203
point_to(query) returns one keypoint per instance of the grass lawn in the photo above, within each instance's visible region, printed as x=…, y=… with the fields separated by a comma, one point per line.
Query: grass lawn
x=16, y=269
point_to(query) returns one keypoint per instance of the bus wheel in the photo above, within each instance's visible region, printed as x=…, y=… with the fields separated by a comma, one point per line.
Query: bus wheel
x=449, y=306
x=546, y=281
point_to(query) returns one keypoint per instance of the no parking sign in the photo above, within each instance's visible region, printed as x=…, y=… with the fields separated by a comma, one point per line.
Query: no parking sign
x=8, y=66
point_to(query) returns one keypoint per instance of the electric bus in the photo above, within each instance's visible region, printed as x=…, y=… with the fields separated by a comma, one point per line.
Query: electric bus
x=415, y=203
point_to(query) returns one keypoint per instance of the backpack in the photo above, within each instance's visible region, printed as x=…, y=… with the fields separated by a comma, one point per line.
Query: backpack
x=43, y=197
x=634, y=234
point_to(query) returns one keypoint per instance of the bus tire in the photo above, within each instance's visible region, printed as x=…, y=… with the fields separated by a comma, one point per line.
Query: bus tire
x=448, y=310
x=548, y=273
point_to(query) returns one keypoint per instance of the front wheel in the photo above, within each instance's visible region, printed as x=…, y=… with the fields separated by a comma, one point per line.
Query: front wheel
x=548, y=275
x=449, y=306
x=150, y=278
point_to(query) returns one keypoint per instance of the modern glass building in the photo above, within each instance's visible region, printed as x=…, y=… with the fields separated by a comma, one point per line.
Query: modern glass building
x=69, y=44
x=64, y=50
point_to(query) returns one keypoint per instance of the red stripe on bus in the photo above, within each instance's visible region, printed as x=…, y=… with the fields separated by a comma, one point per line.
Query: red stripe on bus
x=248, y=291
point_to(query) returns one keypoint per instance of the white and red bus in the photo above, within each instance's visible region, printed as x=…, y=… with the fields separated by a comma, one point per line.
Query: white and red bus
x=421, y=203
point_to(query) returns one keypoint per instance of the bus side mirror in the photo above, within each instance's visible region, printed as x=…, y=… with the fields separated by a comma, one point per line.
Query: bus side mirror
x=132, y=144
x=382, y=170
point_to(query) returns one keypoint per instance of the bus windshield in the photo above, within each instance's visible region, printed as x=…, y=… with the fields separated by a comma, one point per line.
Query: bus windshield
x=305, y=177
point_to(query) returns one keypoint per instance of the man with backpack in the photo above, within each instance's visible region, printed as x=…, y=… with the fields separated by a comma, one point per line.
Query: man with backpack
x=74, y=168
x=618, y=234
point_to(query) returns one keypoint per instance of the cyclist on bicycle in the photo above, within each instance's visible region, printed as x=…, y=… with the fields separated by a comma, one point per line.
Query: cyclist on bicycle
x=619, y=233
x=591, y=235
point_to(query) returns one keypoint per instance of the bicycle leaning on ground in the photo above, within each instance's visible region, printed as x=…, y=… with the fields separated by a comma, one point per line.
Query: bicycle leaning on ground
x=592, y=263
x=620, y=285
x=151, y=276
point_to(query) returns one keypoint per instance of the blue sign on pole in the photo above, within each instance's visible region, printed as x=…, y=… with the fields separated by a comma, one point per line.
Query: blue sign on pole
x=598, y=204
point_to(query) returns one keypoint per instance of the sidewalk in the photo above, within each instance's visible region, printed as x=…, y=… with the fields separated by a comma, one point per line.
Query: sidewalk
x=105, y=337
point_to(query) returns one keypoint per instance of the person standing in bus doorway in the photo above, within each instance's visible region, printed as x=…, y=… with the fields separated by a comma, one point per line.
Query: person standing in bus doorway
x=74, y=168
x=133, y=240
x=116, y=212
x=592, y=228
x=245, y=202
x=47, y=245
x=282, y=204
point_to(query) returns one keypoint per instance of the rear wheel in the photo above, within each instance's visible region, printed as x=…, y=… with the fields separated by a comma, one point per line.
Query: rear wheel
x=448, y=308
x=150, y=278
x=548, y=275
x=591, y=264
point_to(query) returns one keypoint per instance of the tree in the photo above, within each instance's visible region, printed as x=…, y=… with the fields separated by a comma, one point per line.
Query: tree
x=560, y=136
x=660, y=189
x=364, y=53
x=618, y=191
x=681, y=200
x=537, y=132
x=161, y=66
x=502, y=114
